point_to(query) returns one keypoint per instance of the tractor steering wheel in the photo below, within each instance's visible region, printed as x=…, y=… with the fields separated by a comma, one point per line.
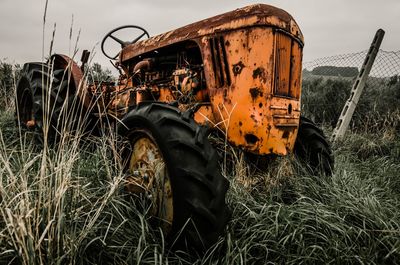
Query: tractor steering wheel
x=123, y=43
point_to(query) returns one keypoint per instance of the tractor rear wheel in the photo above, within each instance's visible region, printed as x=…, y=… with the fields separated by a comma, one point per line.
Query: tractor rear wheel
x=313, y=149
x=173, y=164
x=47, y=98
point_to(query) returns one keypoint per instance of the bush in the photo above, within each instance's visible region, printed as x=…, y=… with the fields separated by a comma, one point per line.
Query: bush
x=9, y=75
x=377, y=110
x=323, y=99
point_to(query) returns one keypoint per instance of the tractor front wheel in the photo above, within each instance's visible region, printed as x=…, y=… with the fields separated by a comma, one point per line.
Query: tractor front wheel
x=313, y=149
x=172, y=164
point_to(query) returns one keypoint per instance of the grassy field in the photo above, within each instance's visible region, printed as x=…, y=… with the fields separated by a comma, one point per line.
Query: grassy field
x=66, y=206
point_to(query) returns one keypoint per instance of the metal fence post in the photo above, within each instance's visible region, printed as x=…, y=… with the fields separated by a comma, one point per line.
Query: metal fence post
x=358, y=86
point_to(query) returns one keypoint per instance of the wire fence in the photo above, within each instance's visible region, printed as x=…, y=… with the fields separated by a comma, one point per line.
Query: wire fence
x=327, y=83
x=387, y=64
x=326, y=86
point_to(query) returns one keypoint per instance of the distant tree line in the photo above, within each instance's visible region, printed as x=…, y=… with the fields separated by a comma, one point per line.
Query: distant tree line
x=333, y=71
x=97, y=74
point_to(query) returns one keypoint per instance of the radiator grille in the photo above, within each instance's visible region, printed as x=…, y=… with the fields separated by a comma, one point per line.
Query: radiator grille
x=287, y=66
x=219, y=62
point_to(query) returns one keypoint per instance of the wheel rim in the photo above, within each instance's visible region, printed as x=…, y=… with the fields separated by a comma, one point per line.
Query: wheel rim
x=148, y=175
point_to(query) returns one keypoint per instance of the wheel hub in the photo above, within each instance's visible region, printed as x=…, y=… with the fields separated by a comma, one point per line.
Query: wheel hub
x=148, y=176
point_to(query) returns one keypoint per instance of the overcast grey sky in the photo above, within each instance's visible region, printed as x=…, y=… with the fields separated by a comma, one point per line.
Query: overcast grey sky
x=330, y=27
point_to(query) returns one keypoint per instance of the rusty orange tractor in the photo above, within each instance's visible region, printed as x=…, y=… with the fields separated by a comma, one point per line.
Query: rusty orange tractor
x=238, y=73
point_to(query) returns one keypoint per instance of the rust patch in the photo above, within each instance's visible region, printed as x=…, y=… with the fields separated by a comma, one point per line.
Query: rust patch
x=260, y=73
x=251, y=139
x=237, y=68
x=30, y=124
x=253, y=118
x=255, y=92
x=149, y=175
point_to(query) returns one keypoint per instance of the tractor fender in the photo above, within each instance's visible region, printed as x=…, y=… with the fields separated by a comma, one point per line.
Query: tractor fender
x=65, y=62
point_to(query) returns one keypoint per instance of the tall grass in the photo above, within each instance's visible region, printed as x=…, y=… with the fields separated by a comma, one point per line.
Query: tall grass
x=64, y=204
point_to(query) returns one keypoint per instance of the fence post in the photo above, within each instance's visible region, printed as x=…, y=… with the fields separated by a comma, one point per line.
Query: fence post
x=358, y=86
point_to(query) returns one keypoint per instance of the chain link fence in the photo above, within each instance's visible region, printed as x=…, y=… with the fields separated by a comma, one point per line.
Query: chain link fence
x=326, y=87
x=327, y=83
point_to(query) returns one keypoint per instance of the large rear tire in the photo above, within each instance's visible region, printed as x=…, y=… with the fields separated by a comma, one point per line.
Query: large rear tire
x=312, y=148
x=199, y=213
x=47, y=98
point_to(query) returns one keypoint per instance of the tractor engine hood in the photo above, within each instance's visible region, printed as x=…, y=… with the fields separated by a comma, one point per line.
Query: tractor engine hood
x=254, y=15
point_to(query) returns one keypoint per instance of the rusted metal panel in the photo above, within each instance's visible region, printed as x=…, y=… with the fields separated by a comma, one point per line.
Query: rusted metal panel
x=166, y=95
x=250, y=16
x=248, y=110
x=205, y=115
